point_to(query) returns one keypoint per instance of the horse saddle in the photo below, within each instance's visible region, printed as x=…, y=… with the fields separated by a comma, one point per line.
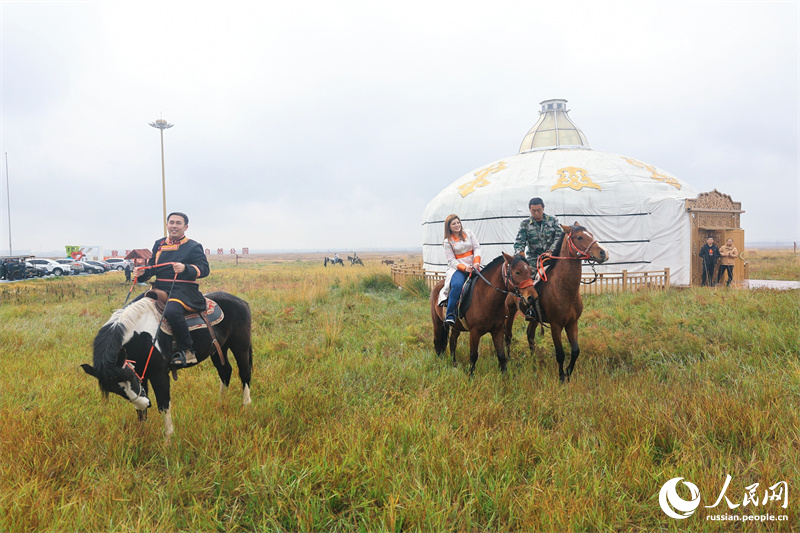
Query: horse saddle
x=211, y=316
x=466, y=296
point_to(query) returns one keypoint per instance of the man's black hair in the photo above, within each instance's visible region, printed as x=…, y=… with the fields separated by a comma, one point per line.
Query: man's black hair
x=185, y=218
x=535, y=201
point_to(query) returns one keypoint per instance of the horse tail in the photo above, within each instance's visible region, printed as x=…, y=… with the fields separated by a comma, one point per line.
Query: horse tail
x=440, y=335
x=440, y=329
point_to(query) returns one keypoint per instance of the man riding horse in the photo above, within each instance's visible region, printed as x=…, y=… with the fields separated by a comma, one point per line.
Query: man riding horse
x=541, y=233
x=178, y=262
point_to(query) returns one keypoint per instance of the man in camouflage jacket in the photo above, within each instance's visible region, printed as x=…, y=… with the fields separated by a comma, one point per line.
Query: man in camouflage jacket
x=540, y=233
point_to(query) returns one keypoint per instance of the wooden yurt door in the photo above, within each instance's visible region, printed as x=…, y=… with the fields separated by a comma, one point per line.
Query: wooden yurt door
x=738, y=241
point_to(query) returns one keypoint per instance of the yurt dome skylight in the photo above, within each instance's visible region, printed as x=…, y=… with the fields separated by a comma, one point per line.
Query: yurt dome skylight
x=554, y=130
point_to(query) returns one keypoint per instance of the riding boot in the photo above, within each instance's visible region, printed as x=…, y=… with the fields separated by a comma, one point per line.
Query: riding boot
x=185, y=356
x=530, y=312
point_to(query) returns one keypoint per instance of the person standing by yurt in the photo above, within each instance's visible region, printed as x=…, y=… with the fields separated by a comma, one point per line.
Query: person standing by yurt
x=709, y=254
x=727, y=258
x=463, y=253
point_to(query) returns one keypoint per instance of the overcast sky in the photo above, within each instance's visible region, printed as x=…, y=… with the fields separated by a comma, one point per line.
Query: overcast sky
x=330, y=125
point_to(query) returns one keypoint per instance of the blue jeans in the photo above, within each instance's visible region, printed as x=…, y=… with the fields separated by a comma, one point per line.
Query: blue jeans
x=456, y=284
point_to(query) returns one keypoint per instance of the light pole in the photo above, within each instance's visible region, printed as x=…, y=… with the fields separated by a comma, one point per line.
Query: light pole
x=162, y=125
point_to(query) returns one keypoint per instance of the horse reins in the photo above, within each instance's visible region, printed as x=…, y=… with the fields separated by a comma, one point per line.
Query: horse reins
x=161, y=321
x=507, y=278
x=134, y=281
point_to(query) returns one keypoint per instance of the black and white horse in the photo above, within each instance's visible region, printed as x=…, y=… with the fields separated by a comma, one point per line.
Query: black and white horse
x=126, y=360
x=355, y=260
x=334, y=261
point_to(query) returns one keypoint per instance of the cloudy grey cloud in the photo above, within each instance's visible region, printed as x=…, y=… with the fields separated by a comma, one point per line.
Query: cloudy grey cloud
x=330, y=125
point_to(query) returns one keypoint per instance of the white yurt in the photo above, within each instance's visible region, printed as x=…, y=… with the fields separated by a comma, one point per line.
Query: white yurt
x=636, y=211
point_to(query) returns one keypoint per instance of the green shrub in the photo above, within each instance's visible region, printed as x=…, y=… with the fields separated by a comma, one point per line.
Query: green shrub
x=417, y=289
x=377, y=283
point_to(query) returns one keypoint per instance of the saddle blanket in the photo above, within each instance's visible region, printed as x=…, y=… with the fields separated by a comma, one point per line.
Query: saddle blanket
x=195, y=321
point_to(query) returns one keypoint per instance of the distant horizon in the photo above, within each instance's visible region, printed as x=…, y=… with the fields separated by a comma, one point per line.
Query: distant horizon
x=57, y=254
x=54, y=253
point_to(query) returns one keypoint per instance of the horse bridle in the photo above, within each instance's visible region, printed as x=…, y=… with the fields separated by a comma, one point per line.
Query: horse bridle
x=142, y=390
x=508, y=281
x=583, y=255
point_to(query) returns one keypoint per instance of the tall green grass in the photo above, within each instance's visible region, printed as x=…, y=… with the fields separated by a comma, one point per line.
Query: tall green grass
x=356, y=425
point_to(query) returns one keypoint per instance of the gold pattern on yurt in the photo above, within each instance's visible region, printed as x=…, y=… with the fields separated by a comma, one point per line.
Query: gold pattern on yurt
x=480, y=178
x=574, y=178
x=656, y=175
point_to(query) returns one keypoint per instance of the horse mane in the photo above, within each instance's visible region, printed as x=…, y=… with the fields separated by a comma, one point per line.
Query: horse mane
x=499, y=260
x=494, y=263
x=517, y=259
x=115, y=333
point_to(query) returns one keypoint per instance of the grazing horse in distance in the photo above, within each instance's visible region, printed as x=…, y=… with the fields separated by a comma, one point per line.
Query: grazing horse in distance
x=127, y=360
x=387, y=262
x=560, y=296
x=487, y=314
x=334, y=261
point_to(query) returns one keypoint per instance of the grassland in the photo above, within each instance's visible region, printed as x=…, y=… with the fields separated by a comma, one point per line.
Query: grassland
x=356, y=425
x=776, y=263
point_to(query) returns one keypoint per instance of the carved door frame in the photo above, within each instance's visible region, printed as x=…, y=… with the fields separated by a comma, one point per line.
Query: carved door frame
x=713, y=214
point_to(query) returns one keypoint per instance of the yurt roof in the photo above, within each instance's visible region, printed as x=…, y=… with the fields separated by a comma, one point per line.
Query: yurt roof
x=600, y=180
x=634, y=207
x=554, y=129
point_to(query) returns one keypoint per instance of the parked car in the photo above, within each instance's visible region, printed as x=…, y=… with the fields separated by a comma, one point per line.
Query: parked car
x=102, y=264
x=53, y=267
x=14, y=268
x=91, y=269
x=35, y=271
x=117, y=263
x=77, y=267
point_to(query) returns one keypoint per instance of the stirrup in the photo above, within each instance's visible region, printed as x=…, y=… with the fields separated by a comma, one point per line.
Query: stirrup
x=180, y=359
x=531, y=314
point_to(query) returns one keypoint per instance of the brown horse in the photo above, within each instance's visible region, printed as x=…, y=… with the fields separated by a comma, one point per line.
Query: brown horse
x=505, y=275
x=559, y=295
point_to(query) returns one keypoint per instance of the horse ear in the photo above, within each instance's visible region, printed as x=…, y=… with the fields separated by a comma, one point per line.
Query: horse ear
x=521, y=252
x=576, y=224
x=89, y=369
x=567, y=229
x=507, y=257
